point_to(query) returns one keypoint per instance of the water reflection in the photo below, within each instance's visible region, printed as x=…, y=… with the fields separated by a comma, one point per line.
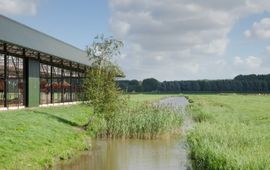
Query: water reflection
x=131, y=155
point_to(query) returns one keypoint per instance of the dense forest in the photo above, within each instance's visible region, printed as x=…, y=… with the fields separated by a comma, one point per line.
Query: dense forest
x=240, y=84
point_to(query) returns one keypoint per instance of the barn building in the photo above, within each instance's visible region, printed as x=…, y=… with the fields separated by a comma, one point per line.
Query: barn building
x=37, y=69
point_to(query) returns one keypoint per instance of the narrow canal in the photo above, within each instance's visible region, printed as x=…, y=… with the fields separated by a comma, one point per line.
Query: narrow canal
x=132, y=154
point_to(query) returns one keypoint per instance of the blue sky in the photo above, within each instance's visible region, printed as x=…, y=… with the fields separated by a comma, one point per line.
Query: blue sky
x=238, y=42
x=75, y=22
x=165, y=39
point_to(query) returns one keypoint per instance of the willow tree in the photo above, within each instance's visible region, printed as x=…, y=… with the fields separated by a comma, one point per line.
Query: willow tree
x=101, y=90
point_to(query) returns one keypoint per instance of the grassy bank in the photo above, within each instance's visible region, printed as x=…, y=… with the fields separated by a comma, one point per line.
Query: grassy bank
x=232, y=131
x=34, y=138
x=39, y=137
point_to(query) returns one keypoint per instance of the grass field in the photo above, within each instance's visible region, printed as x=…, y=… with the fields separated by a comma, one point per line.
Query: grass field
x=148, y=97
x=34, y=138
x=232, y=131
x=38, y=137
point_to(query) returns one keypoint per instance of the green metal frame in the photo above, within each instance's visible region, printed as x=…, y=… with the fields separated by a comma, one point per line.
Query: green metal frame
x=31, y=74
x=33, y=83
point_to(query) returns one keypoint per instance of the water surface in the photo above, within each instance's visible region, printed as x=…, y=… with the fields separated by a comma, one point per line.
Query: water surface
x=133, y=154
x=162, y=154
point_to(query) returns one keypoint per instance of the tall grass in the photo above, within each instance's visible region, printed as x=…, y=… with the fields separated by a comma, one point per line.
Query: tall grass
x=142, y=121
x=232, y=132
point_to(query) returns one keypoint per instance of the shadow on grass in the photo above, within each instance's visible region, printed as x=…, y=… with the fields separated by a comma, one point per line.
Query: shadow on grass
x=60, y=119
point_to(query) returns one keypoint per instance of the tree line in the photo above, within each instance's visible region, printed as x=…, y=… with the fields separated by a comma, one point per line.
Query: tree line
x=240, y=84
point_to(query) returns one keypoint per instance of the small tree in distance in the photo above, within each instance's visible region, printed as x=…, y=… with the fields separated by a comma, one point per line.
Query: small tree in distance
x=101, y=90
x=150, y=84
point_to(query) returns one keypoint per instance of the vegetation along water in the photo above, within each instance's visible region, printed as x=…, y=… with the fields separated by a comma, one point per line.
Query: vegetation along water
x=232, y=131
x=158, y=153
x=140, y=121
x=40, y=137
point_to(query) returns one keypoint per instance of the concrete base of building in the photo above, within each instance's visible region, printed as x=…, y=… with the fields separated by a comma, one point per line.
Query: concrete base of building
x=11, y=108
x=59, y=104
x=43, y=105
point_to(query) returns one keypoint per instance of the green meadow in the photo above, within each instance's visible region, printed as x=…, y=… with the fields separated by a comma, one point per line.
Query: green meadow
x=231, y=131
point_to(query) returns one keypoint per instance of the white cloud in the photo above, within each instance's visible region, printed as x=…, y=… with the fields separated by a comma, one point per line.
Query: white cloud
x=189, y=35
x=253, y=62
x=247, y=33
x=259, y=29
x=18, y=7
x=250, y=62
x=120, y=28
x=238, y=61
x=217, y=46
x=193, y=68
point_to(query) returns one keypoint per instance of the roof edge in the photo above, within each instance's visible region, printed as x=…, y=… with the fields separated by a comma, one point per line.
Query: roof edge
x=33, y=29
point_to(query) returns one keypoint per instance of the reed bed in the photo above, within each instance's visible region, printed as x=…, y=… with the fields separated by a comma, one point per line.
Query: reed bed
x=141, y=121
x=232, y=132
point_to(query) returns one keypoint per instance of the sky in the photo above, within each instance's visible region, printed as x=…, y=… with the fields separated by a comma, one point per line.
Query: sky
x=164, y=39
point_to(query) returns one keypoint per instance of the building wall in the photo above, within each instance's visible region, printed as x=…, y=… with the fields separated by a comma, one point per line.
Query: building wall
x=24, y=83
x=32, y=76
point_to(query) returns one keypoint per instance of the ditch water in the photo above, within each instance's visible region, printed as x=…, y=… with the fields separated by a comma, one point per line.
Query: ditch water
x=133, y=154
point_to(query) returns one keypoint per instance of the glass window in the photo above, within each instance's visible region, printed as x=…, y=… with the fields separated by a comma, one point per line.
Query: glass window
x=12, y=49
x=15, y=95
x=74, y=65
x=74, y=86
x=44, y=57
x=59, y=85
x=66, y=85
x=1, y=46
x=45, y=84
x=56, y=60
x=66, y=63
x=31, y=54
x=2, y=82
x=56, y=84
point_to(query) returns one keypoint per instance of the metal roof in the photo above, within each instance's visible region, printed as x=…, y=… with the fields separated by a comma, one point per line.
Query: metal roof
x=24, y=36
